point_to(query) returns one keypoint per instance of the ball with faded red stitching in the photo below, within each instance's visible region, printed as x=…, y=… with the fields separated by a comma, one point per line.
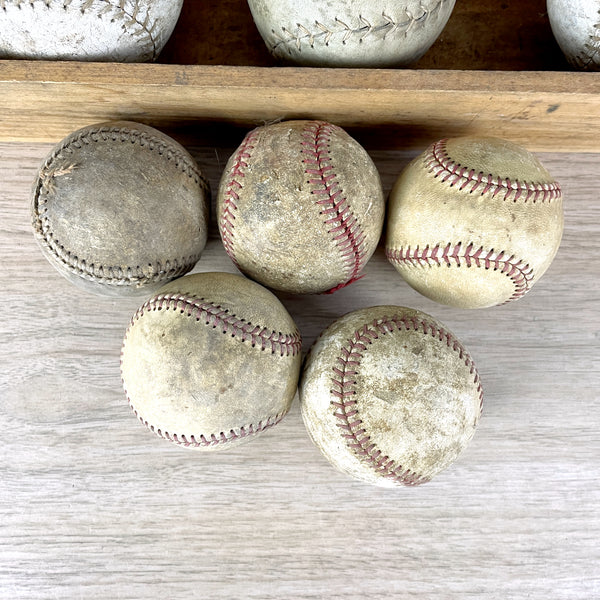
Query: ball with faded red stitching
x=300, y=207
x=210, y=361
x=390, y=396
x=474, y=222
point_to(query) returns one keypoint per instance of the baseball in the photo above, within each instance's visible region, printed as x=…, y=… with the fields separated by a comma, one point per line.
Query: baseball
x=210, y=361
x=350, y=33
x=92, y=30
x=120, y=209
x=390, y=396
x=576, y=27
x=300, y=207
x=474, y=222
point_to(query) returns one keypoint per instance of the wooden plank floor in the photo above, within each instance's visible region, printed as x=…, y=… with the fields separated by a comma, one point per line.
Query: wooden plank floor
x=93, y=505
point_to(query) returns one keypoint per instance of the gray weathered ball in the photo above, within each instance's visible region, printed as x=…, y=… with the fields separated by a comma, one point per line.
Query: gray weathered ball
x=120, y=208
x=86, y=30
x=474, y=222
x=211, y=360
x=390, y=396
x=350, y=33
x=300, y=207
x=576, y=27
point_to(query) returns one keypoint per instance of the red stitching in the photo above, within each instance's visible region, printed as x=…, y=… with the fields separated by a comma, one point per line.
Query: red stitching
x=231, y=196
x=438, y=161
x=334, y=206
x=344, y=390
x=215, y=315
x=519, y=272
x=287, y=344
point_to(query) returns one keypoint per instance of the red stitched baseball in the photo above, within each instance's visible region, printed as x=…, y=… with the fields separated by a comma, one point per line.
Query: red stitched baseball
x=519, y=272
x=438, y=161
x=333, y=204
x=214, y=315
x=344, y=390
x=231, y=196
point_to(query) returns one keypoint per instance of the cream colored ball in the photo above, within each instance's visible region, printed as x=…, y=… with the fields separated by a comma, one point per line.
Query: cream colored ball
x=390, y=396
x=211, y=361
x=350, y=33
x=474, y=222
x=86, y=30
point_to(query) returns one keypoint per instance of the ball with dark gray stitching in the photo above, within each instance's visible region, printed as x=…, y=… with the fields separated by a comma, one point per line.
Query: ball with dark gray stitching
x=210, y=361
x=120, y=209
x=390, y=396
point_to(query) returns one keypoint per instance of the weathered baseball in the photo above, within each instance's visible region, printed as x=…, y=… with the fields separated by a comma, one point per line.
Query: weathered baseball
x=350, y=33
x=390, y=396
x=474, y=222
x=120, y=208
x=211, y=360
x=300, y=207
x=93, y=30
x=576, y=27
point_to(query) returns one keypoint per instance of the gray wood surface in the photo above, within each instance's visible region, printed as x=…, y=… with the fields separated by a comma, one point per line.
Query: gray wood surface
x=92, y=505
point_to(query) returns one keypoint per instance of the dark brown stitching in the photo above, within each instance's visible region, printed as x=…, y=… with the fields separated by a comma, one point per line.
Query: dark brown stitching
x=57, y=165
x=232, y=192
x=334, y=206
x=345, y=405
x=438, y=161
x=131, y=18
x=519, y=272
x=214, y=315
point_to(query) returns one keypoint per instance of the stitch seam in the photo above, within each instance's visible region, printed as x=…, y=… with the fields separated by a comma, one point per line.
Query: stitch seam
x=364, y=29
x=214, y=315
x=591, y=49
x=438, y=161
x=111, y=275
x=232, y=193
x=334, y=207
x=519, y=272
x=344, y=384
x=131, y=18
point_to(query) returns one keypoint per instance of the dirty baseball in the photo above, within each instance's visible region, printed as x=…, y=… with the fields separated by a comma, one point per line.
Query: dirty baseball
x=474, y=222
x=300, y=207
x=120, y=208
x=210, y=361
x=390, y=396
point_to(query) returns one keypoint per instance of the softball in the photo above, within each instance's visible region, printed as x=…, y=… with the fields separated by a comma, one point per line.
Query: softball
x=390, y=396
x=210, y=361
x=86, y=30
x=120, y=208
x=576, y=27
x=300, y=207
x=474, y=222
x=350, y=33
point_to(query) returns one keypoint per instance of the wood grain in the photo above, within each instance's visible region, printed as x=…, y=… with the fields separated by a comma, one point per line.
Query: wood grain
x=94, y=505
x=398, y=109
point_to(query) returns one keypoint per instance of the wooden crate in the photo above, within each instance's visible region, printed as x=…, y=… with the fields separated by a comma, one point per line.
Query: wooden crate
x=496, y=69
